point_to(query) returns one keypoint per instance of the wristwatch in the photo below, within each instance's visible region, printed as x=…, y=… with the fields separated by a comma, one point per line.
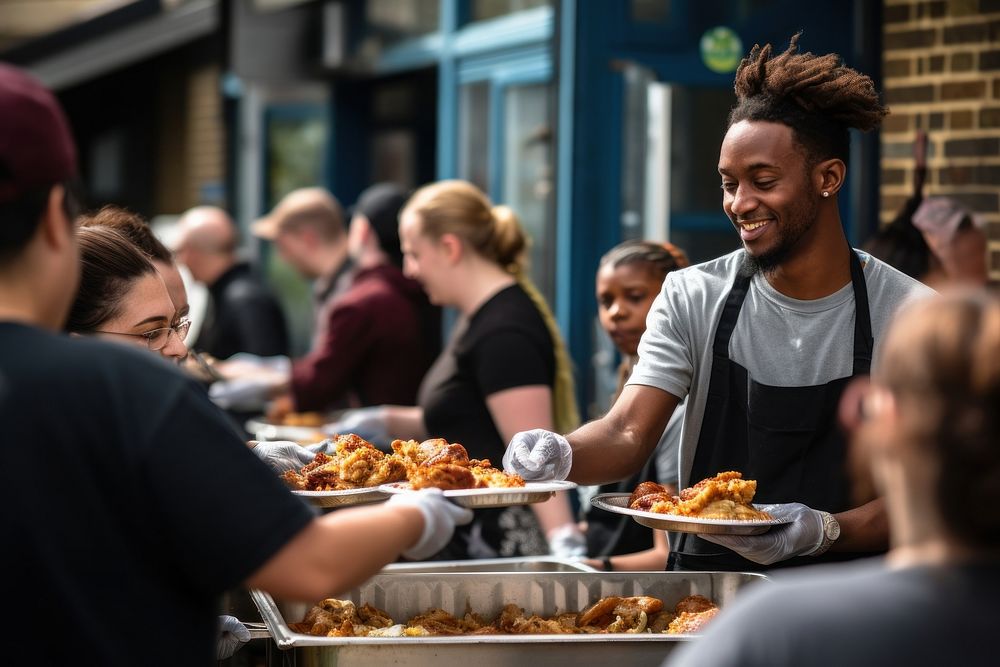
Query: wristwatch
x=831, y=531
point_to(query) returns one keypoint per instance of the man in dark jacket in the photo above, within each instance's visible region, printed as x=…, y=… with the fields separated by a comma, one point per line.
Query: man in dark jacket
x=243, y=315
x=372, y=344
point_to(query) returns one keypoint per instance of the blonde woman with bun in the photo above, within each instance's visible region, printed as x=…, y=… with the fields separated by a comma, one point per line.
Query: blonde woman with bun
x=504, y=370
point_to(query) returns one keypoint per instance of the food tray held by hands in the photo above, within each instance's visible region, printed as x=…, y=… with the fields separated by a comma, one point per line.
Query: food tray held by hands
x=618, y=503
x=263, y=430
x=531, y=492
x=343, y=498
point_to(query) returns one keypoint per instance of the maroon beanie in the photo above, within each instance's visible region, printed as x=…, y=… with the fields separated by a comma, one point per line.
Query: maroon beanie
x=36, y=148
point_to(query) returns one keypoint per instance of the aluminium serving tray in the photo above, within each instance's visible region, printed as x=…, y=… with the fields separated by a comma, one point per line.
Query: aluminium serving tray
x=405, y=595
x=618, y=503
x=263, y=430
x=531, y=492
x=342, y=498
x=518, y=564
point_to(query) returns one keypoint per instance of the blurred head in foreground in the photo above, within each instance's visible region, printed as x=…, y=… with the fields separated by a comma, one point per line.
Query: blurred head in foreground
x=931, y=426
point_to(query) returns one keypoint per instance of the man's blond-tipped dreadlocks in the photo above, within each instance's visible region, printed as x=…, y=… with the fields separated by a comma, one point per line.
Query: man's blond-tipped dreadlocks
x=817, y=96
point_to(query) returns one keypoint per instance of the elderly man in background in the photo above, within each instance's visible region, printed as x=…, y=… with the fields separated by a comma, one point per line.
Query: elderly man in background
x=243, y=315
x=370, y=344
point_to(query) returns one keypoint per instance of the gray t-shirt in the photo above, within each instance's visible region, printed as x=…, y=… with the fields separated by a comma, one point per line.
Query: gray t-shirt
x=781, y=341
x=860, y=614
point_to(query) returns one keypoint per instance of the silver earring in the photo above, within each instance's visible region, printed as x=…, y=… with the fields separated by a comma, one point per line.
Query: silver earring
x=825, y=193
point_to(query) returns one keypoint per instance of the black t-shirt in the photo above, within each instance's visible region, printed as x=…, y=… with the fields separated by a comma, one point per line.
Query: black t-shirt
x=610, y=534
x=127, y=505
x=243, y=316
x=504, y=345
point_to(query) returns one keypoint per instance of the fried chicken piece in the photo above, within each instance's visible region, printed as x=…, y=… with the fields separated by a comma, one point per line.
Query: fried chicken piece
x=445, y=476
x=408, y=449
x=367, y=466
x=694, y=604
x=295, y=480
x=536, y=625
x=328, y=616
x=646, y=489
x=599, y=613
x=440, y=622
x=300, y=480
x=724, y=496
x=629, y=624
x=432, y=451
x=620, y=614
x=375, y=617
x=688, y=623
x=445, y=453
x=648, y=493
x=488, y=476
x=344, y=444
x=356, y=463
x=514, y=620
x=692, y=613
x=659, y=622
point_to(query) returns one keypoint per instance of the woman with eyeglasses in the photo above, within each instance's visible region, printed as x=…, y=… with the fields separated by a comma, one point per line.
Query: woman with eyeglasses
x=122, y=296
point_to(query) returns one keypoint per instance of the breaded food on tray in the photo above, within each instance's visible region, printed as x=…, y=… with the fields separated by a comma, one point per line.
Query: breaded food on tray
x=726, y=496
x=610, y=615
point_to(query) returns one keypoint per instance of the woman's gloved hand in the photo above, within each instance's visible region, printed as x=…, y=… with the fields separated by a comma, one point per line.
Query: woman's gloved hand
x=368, y=423
x=283, y=455
x=440, y=518
x=567, y=541
x=538, y=454
x=801, y=537
x=232, y=636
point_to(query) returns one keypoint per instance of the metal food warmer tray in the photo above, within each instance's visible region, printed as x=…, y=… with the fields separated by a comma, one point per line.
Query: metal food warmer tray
x=404, y=595
x=519, y=564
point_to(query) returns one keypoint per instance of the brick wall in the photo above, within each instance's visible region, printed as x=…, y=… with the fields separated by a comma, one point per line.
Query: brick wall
x=941, y=69
x=190, y=137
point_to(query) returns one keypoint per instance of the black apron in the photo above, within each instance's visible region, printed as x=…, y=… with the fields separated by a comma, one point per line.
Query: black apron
x=786, y=438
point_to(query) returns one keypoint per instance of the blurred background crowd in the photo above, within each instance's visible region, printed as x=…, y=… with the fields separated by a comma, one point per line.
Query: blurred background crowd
x=596, y=122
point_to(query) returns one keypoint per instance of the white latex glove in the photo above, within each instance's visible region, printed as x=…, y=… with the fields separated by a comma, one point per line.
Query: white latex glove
x=799, y=538
x=538, y=454
x=440, y=518
x=243, y=362
x=369, y=423
x=232, y=636
x=247, y=394
x=567, y=541
x=282, y=455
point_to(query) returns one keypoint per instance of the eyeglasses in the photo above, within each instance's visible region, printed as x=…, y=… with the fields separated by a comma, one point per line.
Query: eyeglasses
x=157, y=339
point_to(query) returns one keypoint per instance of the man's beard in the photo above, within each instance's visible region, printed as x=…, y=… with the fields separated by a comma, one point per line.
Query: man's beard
x=800, y=221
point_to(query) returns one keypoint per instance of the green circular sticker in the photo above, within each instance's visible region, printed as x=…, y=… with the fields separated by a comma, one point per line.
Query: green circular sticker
x=721, y=49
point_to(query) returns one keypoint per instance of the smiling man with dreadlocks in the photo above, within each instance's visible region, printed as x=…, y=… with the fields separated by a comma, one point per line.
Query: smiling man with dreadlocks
x=761, y=341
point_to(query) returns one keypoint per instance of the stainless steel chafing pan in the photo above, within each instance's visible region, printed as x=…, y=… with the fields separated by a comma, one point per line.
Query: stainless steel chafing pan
x=404, y=595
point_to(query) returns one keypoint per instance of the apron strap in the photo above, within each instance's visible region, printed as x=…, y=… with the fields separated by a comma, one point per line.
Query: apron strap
x=731, y=313
x=864, y=344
